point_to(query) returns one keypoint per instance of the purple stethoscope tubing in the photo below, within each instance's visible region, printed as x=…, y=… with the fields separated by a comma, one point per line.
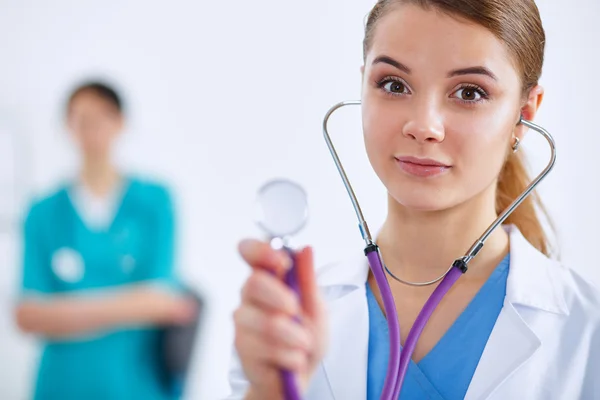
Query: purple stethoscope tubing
x=399, y=359
x=289, y=382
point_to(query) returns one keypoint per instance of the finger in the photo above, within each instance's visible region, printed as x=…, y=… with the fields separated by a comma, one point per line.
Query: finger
x=254, y=348
x=266, y=291
x=261, y=255
x=310, y=295
x=276, y=328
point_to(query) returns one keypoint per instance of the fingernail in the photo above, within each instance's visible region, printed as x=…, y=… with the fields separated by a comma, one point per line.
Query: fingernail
x=244, y=245
x=284, y=261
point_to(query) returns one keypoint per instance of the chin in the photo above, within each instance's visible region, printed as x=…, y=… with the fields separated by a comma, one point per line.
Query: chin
x=425, y=199
x=423, y=205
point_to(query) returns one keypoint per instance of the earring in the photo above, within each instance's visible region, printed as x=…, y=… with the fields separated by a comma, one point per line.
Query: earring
x=515, y=146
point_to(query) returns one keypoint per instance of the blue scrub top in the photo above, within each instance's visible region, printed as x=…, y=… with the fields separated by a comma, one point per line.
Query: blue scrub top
x=446, y=371
x=61, y=255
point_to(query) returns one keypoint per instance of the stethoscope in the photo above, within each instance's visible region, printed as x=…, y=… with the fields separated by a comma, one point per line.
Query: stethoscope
x=284, y=211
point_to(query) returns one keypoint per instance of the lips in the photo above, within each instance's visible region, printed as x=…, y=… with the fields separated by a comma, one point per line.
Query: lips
x=422, y=167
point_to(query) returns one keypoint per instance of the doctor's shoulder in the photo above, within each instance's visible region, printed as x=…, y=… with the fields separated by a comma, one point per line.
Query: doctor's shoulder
x=580, y=329
x=562, y=310
x=46, y=206
x=149, y=194
x=582, y=300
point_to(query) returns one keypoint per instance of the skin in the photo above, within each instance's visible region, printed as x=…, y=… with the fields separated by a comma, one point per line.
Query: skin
x=458, y=102
x=95, y=124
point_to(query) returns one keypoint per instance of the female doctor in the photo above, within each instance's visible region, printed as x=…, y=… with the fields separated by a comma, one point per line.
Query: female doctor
x=444, y=84
x=98, y=269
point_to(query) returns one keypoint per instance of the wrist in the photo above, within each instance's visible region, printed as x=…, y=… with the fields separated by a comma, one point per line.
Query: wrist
x=254, y=393
x=138, y=306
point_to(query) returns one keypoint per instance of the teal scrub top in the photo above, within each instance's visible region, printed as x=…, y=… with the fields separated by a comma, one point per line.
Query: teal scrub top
x=61, y=255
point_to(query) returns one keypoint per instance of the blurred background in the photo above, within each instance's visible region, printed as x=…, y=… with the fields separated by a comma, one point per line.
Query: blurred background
x=221, y=97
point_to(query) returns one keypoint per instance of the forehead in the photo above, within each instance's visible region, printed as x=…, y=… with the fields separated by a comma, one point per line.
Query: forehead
x=89, y=101
x=428, y=38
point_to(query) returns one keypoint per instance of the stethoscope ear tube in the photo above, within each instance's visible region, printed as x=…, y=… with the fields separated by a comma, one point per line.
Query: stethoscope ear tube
x=399, y=360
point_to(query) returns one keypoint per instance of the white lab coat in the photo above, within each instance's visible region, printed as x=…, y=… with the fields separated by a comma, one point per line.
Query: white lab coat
x=545, y=344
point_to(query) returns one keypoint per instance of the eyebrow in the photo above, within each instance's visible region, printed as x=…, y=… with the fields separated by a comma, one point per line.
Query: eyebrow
x=392, y=62
x=473, y=71
x=478, y=70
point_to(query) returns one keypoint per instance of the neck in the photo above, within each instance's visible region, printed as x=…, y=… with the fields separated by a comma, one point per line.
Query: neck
x=420, y=246
x=99, y=176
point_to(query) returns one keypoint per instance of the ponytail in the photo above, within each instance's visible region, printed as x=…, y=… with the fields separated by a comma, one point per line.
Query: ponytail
x=512, y=181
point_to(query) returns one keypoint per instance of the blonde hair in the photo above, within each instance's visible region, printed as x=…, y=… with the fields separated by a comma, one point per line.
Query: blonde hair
x=517, y=23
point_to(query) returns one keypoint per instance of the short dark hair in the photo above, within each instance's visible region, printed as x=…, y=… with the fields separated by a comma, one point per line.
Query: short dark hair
x=102, y=90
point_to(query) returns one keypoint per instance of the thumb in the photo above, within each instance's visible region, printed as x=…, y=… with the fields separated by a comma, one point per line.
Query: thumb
x=310, y=296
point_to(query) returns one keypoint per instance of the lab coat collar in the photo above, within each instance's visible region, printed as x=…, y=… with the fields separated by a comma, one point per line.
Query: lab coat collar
x=533, y=279
x=532, y=282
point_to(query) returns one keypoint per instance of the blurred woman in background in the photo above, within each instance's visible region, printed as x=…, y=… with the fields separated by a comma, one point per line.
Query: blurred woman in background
x=98, y=275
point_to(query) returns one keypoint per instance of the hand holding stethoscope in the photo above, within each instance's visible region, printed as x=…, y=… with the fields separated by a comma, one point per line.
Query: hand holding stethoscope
x=275, y=350
x=283, y=209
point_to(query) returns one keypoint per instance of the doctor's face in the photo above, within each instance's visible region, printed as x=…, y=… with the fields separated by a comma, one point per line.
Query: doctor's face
x=441, y=100
x=95, y=124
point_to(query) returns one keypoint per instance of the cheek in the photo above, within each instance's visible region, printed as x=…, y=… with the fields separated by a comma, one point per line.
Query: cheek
x=480, y=142
x=375, y=136
x=382, y=126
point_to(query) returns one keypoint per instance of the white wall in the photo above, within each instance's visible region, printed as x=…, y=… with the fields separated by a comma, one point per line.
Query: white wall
x=226, y=94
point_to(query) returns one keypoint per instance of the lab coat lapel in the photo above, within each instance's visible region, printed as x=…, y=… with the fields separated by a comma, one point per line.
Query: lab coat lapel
x=512, y=342
x=531, y=284
x=345, y=363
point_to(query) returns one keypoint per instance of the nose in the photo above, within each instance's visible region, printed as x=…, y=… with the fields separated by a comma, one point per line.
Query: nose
x=425, y=124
